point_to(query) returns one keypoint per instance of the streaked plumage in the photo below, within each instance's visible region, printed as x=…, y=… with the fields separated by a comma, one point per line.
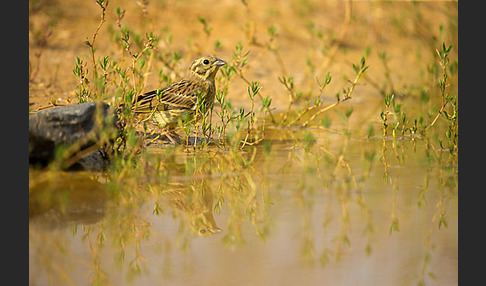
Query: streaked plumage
x=179, y=101
x=196, y=201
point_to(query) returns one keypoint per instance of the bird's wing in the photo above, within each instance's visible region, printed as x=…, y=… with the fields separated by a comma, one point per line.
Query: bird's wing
x=182, y=94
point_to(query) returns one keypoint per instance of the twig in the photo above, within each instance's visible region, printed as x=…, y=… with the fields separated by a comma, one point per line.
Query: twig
x=103, y=4
x=340, y=38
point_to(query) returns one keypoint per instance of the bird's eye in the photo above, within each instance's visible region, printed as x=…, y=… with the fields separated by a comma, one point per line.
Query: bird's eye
x=202, y=231
x=206, y=61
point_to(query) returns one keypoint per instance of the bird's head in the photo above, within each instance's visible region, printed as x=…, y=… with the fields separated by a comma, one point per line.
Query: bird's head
x=203, y=224
x=206, y=67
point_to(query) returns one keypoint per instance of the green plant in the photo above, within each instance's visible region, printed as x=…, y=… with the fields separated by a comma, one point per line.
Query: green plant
x=359, y=70
x=449, y=105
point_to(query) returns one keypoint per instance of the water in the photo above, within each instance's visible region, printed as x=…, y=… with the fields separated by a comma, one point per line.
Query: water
x=335, y=211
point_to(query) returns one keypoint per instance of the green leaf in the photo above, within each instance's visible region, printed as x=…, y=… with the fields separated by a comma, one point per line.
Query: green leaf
x=445, y=114
x=267, y=101
x=348, y=112
x=328, y=78
x=272, y=31
x=342, y=115
x=326, y=122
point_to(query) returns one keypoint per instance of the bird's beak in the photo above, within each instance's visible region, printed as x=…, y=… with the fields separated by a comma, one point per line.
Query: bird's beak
x=215, y=229
x=219, y=62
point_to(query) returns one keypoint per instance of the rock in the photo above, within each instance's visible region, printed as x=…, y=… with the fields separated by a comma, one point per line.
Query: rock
x=75, y=129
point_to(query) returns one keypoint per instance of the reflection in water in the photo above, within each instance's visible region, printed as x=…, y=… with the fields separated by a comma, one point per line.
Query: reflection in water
x=196, y=201
x=67, y=198
x=334, y=201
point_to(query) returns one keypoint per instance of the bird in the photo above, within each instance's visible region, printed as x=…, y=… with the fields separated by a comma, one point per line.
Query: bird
x=180, y=101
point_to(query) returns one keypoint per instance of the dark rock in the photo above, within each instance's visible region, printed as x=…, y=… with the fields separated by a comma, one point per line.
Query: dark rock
x=93, y=161
x=76, y=129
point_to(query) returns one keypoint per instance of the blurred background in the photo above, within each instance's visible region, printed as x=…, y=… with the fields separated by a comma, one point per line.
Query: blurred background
x=303, y=39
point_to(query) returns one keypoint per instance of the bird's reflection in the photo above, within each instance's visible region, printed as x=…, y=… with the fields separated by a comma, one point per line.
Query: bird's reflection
x=195, y=200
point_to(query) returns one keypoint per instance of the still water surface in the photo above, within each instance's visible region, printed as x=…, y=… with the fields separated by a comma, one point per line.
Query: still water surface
x=336, y=210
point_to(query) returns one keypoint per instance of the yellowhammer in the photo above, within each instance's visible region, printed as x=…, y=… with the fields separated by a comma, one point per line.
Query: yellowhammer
x=180, y=101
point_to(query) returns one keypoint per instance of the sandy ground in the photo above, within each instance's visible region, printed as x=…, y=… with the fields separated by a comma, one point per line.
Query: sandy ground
x=407, y=32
